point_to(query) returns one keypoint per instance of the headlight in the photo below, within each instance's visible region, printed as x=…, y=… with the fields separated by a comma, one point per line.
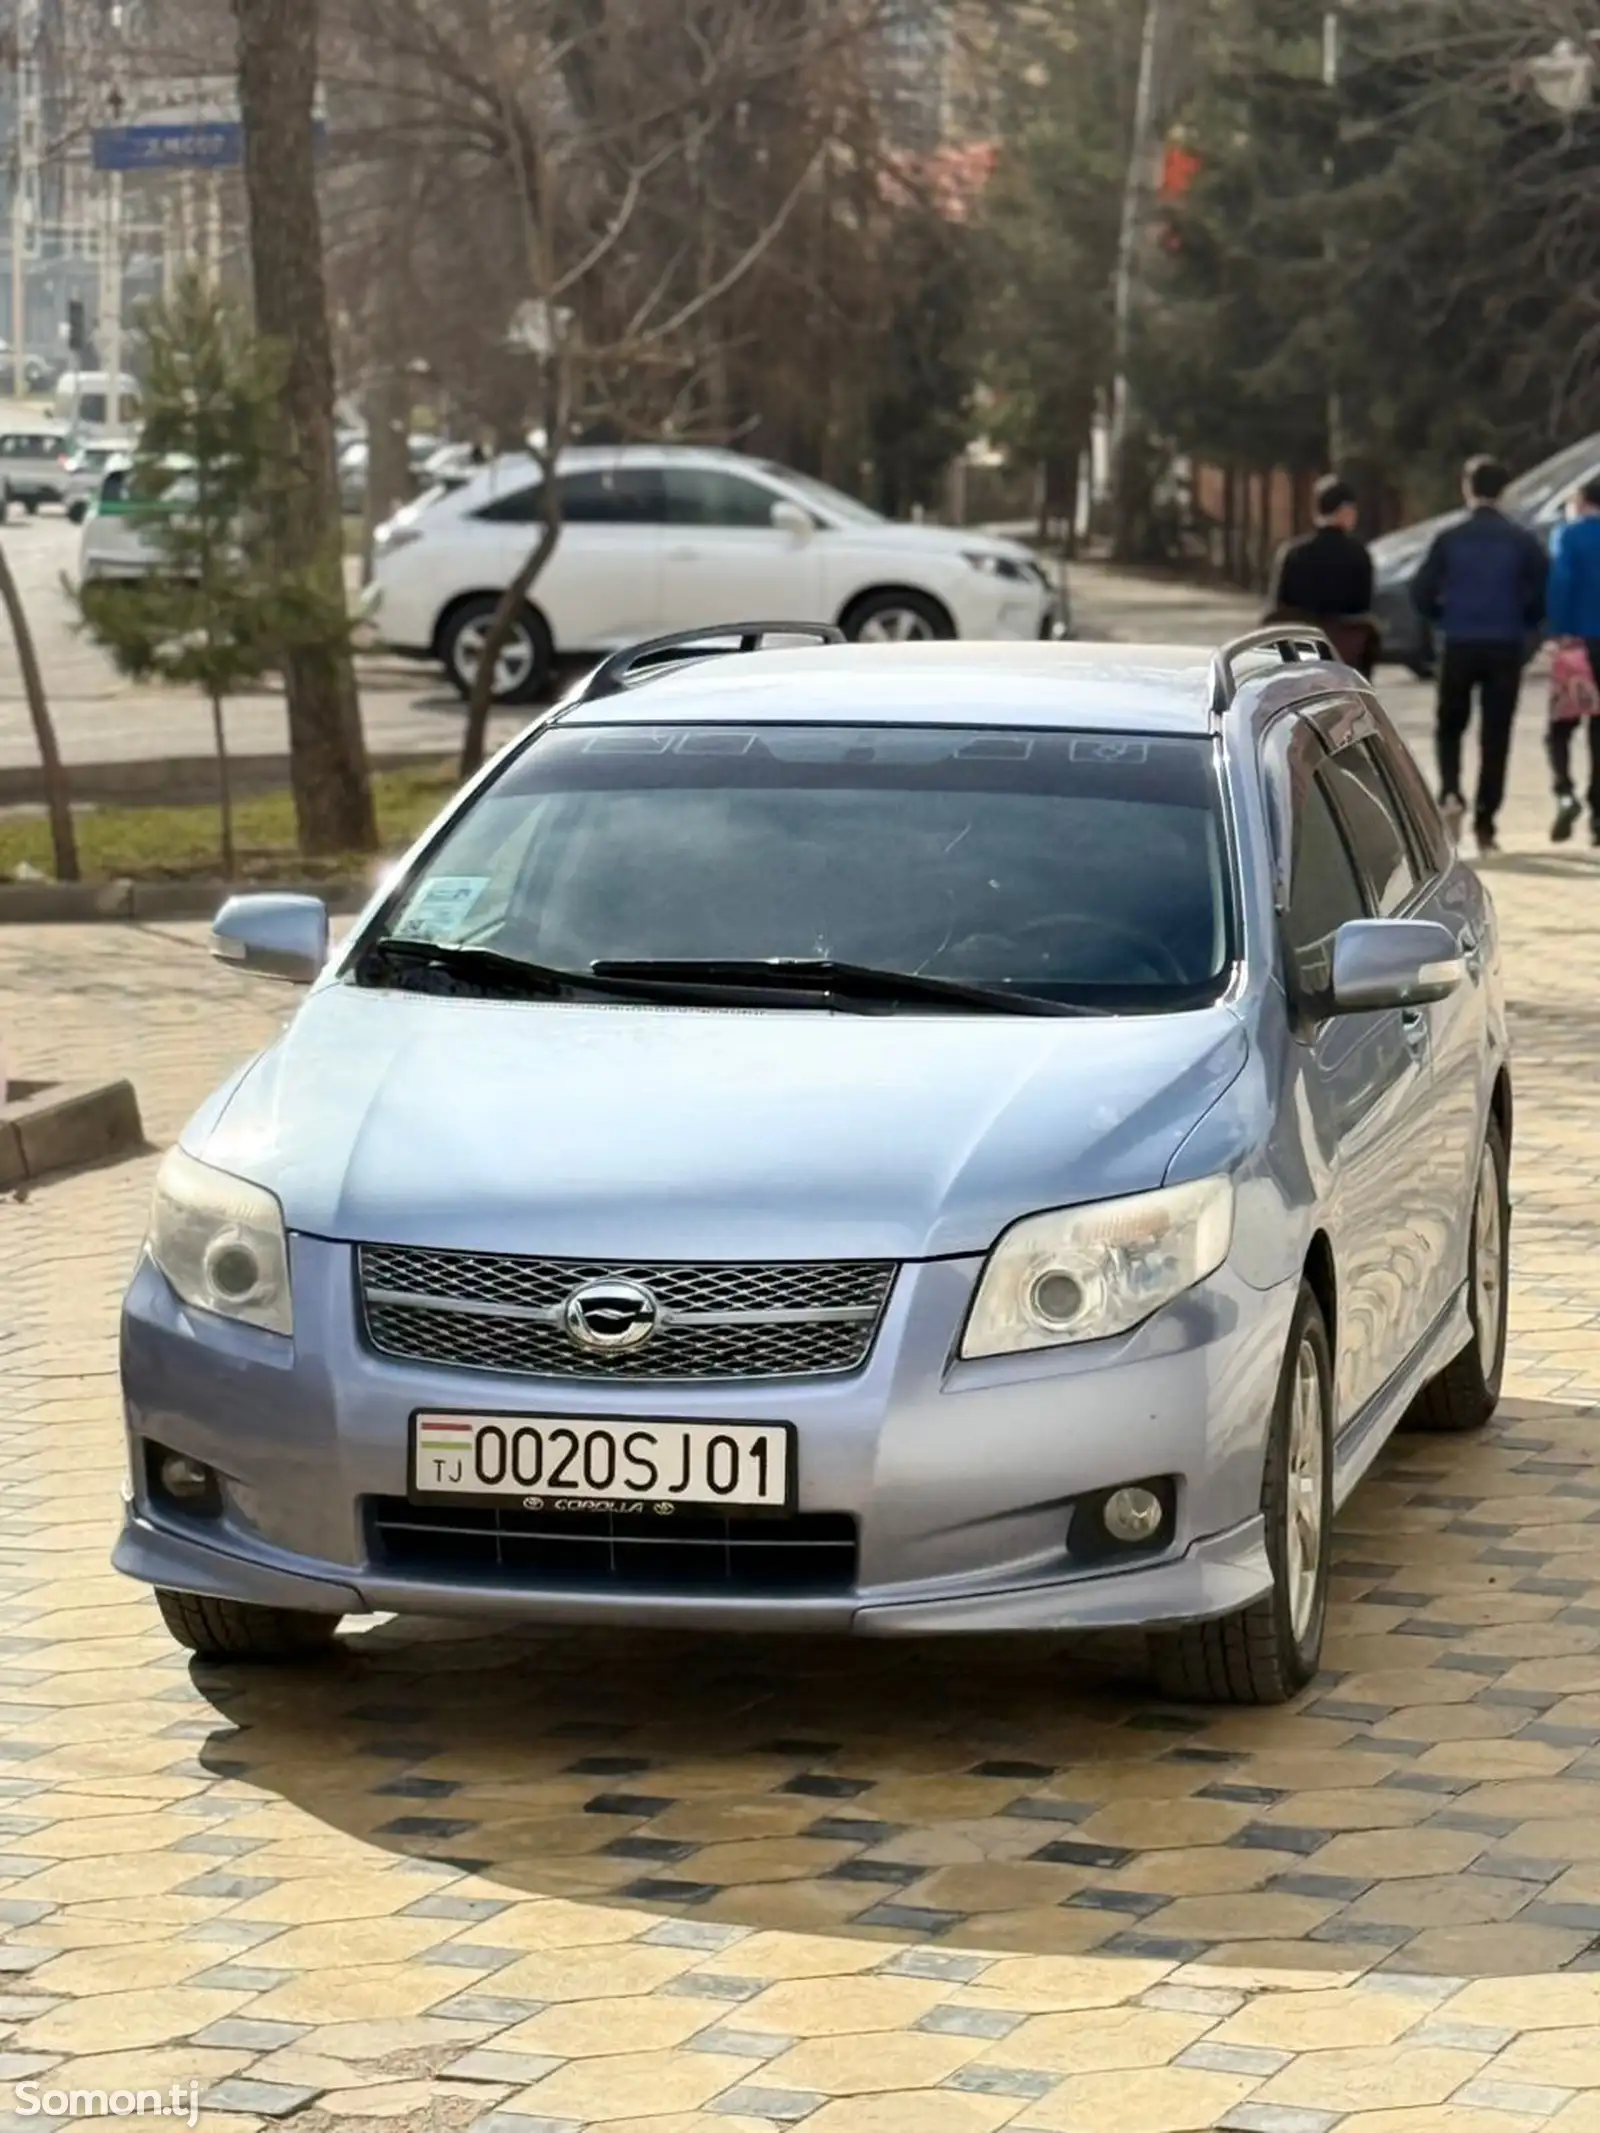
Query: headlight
x=1087, y=1272
x=995, y=566
x=390, y=536
x=221, y=1243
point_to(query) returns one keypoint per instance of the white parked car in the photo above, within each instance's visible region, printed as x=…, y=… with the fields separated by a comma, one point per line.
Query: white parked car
x=113, y=542
x=87, y=468
x=662, y=537
x=119, y=531
x=33, y=468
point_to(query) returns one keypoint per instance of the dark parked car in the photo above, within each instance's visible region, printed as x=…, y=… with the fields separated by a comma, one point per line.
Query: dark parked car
x=1538, y=499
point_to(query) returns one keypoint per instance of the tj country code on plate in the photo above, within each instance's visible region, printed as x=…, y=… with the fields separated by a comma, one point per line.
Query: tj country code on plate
x=496, y=1458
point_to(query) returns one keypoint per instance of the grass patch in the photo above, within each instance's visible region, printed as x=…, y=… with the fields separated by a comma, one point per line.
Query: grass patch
x=181, y=843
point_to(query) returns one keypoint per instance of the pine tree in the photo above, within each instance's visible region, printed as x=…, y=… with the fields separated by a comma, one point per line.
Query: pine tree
x=215, y=613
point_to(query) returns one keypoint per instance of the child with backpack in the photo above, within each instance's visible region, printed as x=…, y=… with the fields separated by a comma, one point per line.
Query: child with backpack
x=1574, y=623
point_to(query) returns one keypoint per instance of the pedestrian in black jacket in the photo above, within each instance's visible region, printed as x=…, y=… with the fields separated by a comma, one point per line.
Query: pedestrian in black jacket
x=1482, y=588
x=1325, y=578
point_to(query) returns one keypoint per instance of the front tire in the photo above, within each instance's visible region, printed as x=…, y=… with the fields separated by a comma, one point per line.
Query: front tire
x=232, y=1629
x=1467, y=1391
x=897, y=618
x=524, y=666
x=77, y=511
x=1269, y=1652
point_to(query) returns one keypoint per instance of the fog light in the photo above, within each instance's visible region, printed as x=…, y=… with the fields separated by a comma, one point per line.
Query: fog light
x=1133, y=1516
x=185, y=1480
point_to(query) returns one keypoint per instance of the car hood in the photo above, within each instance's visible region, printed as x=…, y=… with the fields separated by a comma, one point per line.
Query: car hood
x=1400, y=551
x=652, y=1133
x=933, y=540
x=1409, y=544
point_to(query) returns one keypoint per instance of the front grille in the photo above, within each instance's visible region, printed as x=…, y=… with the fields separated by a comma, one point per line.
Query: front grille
x=588, y=1551
x=486, y=1311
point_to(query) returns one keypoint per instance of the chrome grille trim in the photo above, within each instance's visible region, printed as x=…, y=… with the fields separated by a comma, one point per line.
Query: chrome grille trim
x=550, y=1314
x=493, y=1311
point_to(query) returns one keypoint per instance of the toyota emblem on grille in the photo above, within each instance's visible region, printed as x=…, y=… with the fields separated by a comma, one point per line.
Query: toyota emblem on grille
x=609, y=1317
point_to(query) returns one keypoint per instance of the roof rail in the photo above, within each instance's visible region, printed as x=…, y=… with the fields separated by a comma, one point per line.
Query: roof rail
x=638, y=661
x=1291, y=641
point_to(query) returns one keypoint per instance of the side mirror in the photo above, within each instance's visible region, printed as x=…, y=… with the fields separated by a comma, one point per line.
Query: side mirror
x=1393, y=962
x=282, y=937
x=792, y=518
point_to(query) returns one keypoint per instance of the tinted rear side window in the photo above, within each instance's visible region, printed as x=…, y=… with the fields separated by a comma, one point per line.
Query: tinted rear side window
x=601, y=496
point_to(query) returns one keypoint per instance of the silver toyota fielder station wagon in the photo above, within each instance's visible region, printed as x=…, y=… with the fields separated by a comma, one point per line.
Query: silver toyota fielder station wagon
x=899, y=1139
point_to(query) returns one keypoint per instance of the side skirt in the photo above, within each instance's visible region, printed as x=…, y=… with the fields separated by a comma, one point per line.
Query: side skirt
x=1362, y=1440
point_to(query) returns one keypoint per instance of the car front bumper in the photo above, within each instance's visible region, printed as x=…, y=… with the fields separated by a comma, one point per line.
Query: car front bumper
x=961, y=1477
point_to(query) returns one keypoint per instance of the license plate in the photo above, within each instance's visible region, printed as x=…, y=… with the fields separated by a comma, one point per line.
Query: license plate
x=537, y=1461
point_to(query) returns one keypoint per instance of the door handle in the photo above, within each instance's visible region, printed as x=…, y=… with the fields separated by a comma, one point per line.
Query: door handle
x=1471, y=947
x=1414, y=1029
x=683, y=555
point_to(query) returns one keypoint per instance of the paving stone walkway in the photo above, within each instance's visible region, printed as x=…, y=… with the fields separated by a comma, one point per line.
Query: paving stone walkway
x=542, y=1882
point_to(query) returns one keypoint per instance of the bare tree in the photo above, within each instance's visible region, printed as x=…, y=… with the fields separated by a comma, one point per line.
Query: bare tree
x=277, y=91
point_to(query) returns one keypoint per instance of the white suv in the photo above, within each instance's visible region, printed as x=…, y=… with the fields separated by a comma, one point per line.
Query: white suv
x=660, y=537
x=33, y=468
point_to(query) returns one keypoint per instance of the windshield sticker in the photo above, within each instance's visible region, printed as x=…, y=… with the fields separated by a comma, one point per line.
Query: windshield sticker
x=704, y=742
x=441, y=907
x=1109, y=751
x=645, y=742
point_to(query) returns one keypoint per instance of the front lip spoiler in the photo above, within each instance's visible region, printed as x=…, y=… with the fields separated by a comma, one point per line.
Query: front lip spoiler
x=1216, y=1576
x=1219, y=1575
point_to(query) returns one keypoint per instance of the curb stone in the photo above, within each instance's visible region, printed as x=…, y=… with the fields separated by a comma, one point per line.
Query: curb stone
x=65, y=1126
x=76, y=903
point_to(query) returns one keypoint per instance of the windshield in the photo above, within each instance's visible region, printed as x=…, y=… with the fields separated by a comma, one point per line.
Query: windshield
x=1081, y=868
x=824, y=495
x=1554, y=479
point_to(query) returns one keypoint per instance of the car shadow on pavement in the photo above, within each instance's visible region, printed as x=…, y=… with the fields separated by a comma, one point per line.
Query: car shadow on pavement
x=1428, y=1806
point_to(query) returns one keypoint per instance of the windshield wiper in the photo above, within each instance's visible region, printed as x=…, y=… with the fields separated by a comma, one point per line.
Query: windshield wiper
x=852, y=983
x=489, y=971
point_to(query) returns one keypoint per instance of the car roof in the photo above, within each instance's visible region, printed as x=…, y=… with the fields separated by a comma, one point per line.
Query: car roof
x=582, y=458
x=1152, y=689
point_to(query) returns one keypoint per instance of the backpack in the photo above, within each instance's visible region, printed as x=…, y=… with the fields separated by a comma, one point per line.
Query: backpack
x=1574, y=694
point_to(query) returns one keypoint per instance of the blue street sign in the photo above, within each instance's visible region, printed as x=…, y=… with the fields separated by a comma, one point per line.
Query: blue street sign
x=207, y=144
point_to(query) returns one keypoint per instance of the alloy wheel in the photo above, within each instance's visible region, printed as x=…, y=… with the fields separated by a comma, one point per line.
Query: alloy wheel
x=513, y=666
x=896, y=625
x=1306, y=1492
x=1489, y=1264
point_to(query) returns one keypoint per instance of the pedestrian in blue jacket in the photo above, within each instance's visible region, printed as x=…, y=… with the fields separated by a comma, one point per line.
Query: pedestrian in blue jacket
x=1482, y=589
x=1574, y=621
